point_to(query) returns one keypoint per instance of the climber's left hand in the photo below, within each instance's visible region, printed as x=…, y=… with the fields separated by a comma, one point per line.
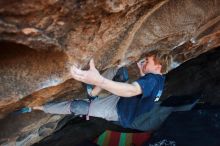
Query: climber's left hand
x=91, y=76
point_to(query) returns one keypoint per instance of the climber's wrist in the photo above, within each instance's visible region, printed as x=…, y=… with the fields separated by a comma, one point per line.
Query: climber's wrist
x=101, y=81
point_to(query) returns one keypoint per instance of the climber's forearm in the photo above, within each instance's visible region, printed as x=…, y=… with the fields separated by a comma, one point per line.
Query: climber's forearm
x=92, y=76
x=96, y=90
x=120, y=89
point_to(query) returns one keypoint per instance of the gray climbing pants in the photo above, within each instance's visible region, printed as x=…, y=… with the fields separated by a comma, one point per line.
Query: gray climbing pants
x=100, y=107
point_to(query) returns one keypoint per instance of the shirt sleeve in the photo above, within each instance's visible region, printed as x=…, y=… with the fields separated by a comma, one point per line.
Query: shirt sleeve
x=147, y=84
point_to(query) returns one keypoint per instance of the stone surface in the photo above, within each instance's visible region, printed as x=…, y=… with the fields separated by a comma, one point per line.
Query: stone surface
x=40, y=40
x=200, y=75
x=26, y=129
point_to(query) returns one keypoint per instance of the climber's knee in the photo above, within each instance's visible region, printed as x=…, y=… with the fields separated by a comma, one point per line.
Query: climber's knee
x=79, y=107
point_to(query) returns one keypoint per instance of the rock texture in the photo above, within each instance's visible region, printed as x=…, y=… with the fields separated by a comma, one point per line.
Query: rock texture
x=198, y=76
x=40, y=40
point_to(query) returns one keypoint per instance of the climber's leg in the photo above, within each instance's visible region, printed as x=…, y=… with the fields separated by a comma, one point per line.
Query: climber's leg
x=105, y=108
x=56, y=108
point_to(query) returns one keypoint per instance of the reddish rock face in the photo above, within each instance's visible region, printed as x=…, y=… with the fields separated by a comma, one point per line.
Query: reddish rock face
x=40, y=40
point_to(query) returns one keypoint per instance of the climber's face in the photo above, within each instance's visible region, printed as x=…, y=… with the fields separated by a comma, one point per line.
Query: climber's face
x=149, y=66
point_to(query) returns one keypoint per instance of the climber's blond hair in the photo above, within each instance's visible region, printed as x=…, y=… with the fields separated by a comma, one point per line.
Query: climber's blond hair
x=161, y=57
